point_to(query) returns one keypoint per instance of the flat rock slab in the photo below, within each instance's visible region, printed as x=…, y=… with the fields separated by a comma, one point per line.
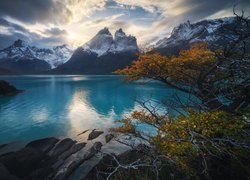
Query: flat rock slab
x=45, y=145
x=3, y=145
x=73, y=162
x=75, y=148
x=39, y=159
x=5, y=174
x=61, y=147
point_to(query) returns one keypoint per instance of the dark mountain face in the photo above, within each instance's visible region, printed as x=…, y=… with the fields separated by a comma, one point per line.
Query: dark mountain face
x=4, y=71
x=83, y=62
x=103, y=54
x=24, y=66
x=217, y=32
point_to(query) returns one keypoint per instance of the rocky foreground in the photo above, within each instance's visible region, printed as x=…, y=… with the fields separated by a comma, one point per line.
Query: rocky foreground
x=59, y=159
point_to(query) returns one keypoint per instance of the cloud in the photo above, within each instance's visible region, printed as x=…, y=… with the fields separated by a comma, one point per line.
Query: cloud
x=77, y=21
x=173, y=12
x=9, y=32
x=81, y=9
x=8, y=24
x=36, y=11
x=55, y=32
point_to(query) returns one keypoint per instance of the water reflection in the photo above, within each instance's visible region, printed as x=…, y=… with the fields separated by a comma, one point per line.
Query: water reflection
x=67, y=105
x=82, y=115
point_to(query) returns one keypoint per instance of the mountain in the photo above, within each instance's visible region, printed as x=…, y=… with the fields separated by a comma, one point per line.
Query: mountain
x=5, y=71
x=216, y=32
x=103, y=54
x=22, y=58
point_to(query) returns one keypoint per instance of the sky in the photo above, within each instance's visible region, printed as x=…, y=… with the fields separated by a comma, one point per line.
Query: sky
x=46, y=23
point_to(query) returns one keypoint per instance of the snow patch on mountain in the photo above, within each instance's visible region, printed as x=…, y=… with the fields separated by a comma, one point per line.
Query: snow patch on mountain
x=205, y=30
x=103, y=43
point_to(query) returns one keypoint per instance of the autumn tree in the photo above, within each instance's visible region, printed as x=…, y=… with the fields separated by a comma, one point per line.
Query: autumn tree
x=216, y=132
x=220, y=82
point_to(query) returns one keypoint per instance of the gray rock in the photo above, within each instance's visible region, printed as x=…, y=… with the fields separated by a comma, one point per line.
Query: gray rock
x=93, y=150
x=3, y=145
x=61, y=147
x=94, y=134
x=73, y=163
x=45, y=145
x=75, y=148
x=5, y=174
x=46, y=158
x=108, y=137
x=22, y=163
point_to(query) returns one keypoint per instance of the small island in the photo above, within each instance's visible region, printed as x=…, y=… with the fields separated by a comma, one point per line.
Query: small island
x=7, y=89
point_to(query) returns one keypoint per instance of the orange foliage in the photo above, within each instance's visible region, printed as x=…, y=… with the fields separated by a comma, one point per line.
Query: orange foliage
x=184, y=68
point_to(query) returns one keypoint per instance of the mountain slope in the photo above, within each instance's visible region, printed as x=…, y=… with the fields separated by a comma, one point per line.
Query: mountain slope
x=22, y=58
x=4, y=71
x=103, y=54
x=216, y=32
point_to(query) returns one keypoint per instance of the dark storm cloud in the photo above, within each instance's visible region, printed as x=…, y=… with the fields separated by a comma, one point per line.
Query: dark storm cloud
x=196, y=10
x=203, y=8
x=55, y=32
x=32, y=11
x=8, y=39
x=14, y=26
x=15, y=31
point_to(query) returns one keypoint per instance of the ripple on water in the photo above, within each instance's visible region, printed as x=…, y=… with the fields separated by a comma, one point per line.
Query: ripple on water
x=67, y=105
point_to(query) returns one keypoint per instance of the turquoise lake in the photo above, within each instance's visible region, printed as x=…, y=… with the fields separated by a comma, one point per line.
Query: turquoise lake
x=63, y=106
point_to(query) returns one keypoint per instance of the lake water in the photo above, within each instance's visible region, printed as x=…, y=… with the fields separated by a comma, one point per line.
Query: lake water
x=63, y=106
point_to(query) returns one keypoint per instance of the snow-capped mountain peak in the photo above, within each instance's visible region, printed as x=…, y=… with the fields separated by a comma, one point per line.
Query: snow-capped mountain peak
x=123, y=42
x=20, y=43
x=206, y=30
x=104, y=31
x=21, y=50
x=119, y=34
x=103, y=43
x=100, y=43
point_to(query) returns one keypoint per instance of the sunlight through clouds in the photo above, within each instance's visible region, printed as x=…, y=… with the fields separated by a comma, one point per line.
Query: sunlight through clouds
x=74, y=22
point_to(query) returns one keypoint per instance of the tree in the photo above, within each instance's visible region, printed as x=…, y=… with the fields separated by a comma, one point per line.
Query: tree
x=219, y=82
x=220, y=79
x=216, y=133
x=198, y=143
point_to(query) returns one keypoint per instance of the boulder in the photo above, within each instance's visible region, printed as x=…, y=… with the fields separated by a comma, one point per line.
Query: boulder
x=109, y=137
x=93, y=150
x=3, y=145
x=22, y=163
x=47, y=158
x=5, y=174
x=75, y=148
x=72, y=163
x=61, y=147
x=45, y=145
x=94, y=134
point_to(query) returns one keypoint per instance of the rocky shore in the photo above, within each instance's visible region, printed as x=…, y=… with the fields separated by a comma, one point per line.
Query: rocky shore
x=58, y=159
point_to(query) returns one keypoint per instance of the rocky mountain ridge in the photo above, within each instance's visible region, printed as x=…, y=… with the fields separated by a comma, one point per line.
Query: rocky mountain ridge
x=216, y=32
x=103, y=54
x=22, y=50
